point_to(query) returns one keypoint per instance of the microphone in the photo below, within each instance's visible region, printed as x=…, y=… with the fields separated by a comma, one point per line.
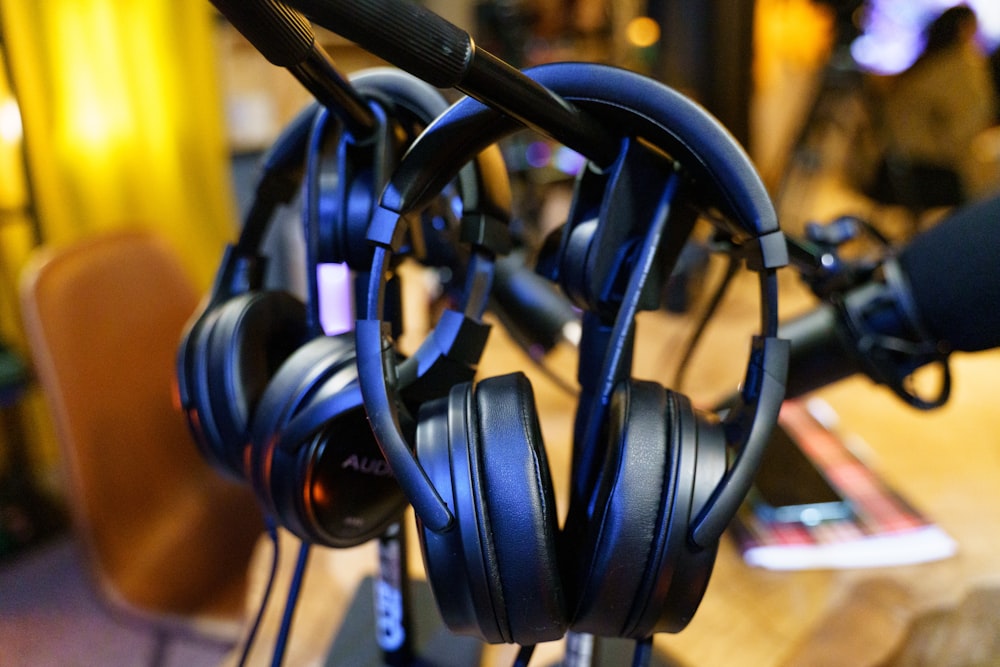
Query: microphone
x=424, y=44
x=285, y=37
x=939, y=294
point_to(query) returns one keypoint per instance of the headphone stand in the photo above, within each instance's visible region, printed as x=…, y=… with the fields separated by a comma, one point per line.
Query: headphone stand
x=393, y=620
x=590, y=651
x=435, y=646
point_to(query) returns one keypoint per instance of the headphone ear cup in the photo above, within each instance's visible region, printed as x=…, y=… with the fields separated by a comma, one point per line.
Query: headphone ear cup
x=652, y=483
x=291, y=386
x=314, y=463
x=482, y=449
x=676, y=581
x=239, y=347
x=301, y=372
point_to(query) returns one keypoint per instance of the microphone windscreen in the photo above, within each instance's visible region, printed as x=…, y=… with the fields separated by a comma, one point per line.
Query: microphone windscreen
x=954, y=274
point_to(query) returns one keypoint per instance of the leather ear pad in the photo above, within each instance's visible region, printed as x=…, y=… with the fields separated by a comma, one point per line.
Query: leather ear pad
x=494, y=572
x=240, y=346
x=653, y=482
x=675, y=583
x=314, y=463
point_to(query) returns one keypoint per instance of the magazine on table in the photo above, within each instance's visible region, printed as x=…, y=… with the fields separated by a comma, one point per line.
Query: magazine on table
x=816, y=505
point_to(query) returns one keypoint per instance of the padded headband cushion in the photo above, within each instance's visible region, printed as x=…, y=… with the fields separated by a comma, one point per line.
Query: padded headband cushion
x=722, y=173
x=404, y=91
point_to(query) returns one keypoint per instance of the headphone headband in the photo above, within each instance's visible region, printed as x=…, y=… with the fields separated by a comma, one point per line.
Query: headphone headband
x=242, y=266
x=242, y=333
x=719, y=176
x=457, y=344
x=720, y=170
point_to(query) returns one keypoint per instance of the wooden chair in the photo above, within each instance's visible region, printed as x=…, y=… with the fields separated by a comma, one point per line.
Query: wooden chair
x=167, y=538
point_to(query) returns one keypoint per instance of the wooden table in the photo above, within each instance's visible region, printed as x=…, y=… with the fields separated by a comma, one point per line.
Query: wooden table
x=946, y=462
x=948, y=612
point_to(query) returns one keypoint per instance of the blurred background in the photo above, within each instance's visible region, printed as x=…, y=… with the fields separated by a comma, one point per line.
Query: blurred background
x=120, y=113
x=152, y=114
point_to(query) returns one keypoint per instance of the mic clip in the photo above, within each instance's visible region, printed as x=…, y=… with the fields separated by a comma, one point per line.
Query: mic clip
x=819, y=261
x=888, y=358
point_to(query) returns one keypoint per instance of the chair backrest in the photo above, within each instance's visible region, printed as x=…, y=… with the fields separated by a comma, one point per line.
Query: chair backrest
x=103, y=319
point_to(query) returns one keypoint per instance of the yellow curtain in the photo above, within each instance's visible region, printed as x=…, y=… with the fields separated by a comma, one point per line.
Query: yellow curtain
x=123, y=120
x=121, y=112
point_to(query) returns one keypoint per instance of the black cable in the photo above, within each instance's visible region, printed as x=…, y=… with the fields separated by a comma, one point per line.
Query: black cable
x=545, y=369
x=713, y=305
x=643, y=652
x=293, y=598
x=538, y=361
x=524, y=656
x=272, y=532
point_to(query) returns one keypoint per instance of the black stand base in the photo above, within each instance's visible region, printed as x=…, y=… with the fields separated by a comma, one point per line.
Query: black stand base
x=433, y=644
x=611, y=652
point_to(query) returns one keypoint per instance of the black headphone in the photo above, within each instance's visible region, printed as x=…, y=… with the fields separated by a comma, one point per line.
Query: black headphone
x=652, y=491
x=269, y=397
